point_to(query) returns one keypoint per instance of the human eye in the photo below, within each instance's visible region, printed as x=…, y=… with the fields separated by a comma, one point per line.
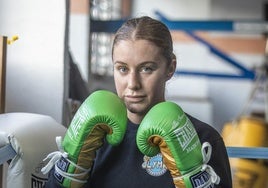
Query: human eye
x=146, y=69
x=122, y=69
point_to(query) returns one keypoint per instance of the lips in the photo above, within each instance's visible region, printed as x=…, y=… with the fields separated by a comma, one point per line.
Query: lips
x=134, y=98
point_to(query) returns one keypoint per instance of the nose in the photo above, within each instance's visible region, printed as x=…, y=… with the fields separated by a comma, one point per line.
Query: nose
x=134, y=82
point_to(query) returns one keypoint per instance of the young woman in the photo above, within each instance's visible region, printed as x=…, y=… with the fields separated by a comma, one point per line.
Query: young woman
x=144, y=61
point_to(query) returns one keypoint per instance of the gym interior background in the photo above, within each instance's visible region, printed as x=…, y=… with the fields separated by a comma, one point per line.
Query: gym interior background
x=62, y=53
x=37, y=63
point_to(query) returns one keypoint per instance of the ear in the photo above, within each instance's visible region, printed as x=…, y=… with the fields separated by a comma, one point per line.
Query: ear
x=172, y=68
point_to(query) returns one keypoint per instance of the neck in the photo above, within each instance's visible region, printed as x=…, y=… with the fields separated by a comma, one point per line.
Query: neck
x=135, y=118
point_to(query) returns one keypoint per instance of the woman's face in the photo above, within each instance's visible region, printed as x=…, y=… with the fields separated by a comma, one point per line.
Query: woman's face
x=140, y=74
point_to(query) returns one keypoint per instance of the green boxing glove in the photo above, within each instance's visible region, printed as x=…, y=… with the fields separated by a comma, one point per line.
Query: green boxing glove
x=101, y=115
x=167, y=129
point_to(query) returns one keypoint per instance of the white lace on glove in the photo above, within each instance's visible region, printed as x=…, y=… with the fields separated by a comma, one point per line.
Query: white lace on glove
x=214, y=178
x=55, y=157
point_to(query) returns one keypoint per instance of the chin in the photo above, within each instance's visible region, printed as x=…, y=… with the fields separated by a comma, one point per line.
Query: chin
x=137, y=109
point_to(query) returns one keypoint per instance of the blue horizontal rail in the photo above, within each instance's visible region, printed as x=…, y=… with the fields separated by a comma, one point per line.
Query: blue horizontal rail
x=213, y=75
x=248, y=152
x=110, y=26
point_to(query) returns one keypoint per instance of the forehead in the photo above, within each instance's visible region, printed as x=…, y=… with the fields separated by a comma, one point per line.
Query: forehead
x=137, y=50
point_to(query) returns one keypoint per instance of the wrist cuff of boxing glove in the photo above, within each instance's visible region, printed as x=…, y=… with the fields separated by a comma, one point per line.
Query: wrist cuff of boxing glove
x=201, y=176
x=65, y=172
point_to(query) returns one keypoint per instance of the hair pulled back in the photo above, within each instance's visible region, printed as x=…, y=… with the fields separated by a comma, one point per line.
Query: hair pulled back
x=146, y=28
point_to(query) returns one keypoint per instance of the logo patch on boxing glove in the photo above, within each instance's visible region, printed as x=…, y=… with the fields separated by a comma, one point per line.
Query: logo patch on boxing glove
x=201, y=179
x=154, y=165
x=63, y=165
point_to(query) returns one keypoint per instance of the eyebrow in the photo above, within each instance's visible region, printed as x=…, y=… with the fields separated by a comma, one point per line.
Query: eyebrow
x=120, y=62
x=141, y=64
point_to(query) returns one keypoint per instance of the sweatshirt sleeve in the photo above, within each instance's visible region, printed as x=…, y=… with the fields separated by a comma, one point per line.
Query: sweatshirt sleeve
x=220, y=162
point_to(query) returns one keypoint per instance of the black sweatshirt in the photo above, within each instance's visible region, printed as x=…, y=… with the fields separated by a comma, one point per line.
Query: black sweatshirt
x=124, y=166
